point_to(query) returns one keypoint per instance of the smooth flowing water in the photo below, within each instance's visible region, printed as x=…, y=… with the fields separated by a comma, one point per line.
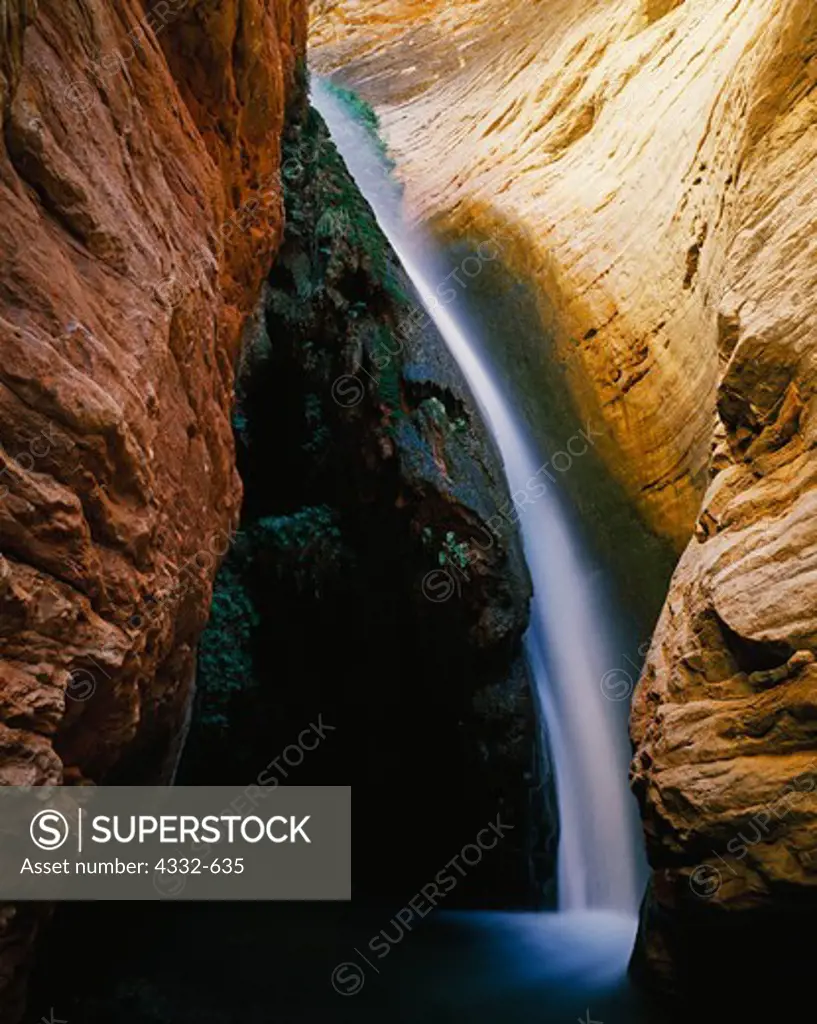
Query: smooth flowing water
x=569, y=642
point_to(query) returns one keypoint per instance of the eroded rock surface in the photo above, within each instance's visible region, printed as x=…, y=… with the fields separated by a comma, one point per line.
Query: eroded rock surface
x=141, y=207
x=626, y=147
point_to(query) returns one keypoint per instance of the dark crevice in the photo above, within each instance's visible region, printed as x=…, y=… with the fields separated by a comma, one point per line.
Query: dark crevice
x=693, y=258
x=418, y=391
x=754, y=655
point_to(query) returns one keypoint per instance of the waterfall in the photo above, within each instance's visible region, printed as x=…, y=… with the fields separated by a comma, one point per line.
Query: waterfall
x=568, y=643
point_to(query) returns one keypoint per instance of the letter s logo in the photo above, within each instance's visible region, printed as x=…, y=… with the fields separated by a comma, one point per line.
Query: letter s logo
x=49, y=830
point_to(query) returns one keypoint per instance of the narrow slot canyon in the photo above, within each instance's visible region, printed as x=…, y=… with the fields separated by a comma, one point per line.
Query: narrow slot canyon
x=415, y=397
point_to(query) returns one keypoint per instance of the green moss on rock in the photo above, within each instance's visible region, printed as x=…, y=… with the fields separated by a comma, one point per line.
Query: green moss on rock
x=225, y=662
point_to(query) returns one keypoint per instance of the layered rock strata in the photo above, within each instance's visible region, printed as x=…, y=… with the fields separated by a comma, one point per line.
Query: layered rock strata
x=141, y=206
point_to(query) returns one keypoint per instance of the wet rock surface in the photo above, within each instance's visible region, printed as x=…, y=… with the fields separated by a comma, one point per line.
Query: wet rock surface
x=379, y=560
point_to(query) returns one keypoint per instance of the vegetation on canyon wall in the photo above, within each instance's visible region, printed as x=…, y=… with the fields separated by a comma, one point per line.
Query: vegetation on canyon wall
x=365, y=469
x=366, y=115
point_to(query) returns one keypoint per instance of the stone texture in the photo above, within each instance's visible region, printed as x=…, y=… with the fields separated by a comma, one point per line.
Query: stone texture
x=140, y=207
x=657, y=163
x=625, y=147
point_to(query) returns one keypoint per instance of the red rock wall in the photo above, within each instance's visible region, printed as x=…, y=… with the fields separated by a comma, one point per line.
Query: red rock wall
x=139, y=198
x=140, y=210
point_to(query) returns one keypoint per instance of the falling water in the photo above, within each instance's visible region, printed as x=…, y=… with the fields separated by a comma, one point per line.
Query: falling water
x=568, y=642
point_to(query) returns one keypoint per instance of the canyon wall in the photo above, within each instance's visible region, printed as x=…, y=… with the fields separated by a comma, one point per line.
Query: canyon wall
x=141, y=207
x=655, y=162
x=611, y=141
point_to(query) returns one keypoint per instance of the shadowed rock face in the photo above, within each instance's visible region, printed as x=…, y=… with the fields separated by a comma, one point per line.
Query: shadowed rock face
x=140, y=208
x=660, y=160
x=386, y=589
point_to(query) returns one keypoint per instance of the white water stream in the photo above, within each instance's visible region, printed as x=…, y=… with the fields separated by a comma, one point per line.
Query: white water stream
x=569, y=644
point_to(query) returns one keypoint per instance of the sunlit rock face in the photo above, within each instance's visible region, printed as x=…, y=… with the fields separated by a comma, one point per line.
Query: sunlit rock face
x=656, y=162
x=140, y=208
x=625, y=145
